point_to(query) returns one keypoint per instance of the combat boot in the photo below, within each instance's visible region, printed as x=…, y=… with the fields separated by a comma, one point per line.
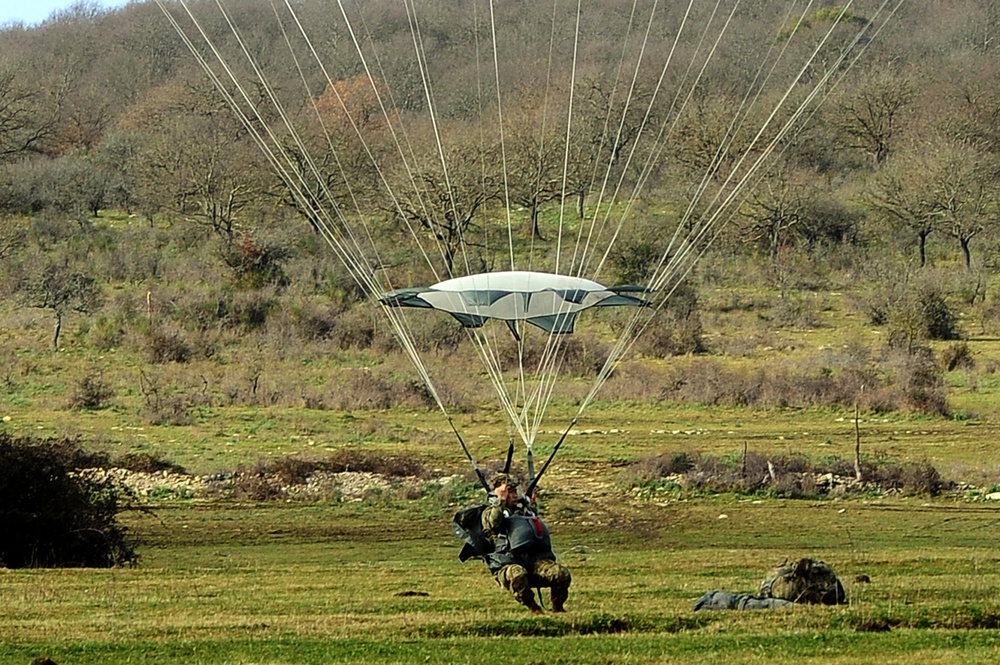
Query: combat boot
x=527, y=598
x=559, y=597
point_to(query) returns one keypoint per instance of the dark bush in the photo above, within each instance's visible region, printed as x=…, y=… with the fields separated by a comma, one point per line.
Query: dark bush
x=921, y=315
x=255, y=263
x=147, y=463
x=916, y=378
x=53, y=514
x=677, y=328
x=909, y=478
x=386, y=465
x=957, y=356
x=256, y=485
x=167, y=347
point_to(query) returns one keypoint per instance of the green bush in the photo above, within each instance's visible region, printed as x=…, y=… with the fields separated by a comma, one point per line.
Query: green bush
x=55, y=514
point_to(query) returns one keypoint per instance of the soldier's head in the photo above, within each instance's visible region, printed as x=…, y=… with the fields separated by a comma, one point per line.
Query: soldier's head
x=506, y=487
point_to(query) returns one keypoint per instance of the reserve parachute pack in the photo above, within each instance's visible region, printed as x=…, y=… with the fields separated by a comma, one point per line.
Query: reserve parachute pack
x=468, y=525
x=525, y=539
x=804, y=581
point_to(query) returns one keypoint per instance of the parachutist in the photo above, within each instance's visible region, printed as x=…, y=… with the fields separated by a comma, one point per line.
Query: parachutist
x=515, y=544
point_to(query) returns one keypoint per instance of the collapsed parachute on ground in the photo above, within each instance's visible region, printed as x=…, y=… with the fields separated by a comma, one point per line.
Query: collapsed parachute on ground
x=549, y=301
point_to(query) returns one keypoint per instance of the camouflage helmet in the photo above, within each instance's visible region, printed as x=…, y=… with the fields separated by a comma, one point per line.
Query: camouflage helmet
x=499, y=479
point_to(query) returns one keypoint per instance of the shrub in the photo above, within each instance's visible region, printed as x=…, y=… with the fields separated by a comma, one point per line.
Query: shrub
x=677, y=329
x=167, y=347
x=52, y=515
x=916, y=377
x=791, y=476
x=921, y=315
x=91, y=393
x=957, y=356
x=387, y=465
x=147, y=463
x=255, y=263
x=162, y=406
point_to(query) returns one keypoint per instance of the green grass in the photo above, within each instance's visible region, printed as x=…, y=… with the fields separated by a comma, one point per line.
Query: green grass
x=307, y=583
x=280, y=583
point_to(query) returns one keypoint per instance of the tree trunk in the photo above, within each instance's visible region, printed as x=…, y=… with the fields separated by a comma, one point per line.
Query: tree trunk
x=922, y=244
x=536, y=231
x=55, y=337
x=966, y=252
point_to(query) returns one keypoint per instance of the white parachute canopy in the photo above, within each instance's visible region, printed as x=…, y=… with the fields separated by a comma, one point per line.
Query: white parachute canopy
x=547, y=301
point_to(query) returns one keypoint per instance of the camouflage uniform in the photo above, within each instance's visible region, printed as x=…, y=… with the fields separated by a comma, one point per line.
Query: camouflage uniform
x=520, y=571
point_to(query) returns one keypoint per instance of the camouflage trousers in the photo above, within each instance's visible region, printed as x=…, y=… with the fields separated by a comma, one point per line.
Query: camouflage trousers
x=520, y=581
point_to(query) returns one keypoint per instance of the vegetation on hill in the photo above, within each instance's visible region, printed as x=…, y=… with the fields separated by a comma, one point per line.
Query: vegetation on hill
x=145, y=238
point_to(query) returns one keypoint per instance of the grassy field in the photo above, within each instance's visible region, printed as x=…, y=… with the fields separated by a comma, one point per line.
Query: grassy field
x=380, y=582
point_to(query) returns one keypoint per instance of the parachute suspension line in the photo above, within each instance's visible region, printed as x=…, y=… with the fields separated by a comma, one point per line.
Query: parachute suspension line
x=254, y=132
x=357, y=258
x=528, y=401
x=836, y=68
x=319, y=117
x=410, y=166
x=385, y=114
x=355, y=263
x=308, y=158
x=578, y=267
x=510, y=456
x=421, y=58
x=396, y=319
x=354, y=126
x=542, y=133
x=682, y=270
x=548, y=387
x=607, y=115
x=569, y=126
x=701, y=71
x=626, y=340
x=739, y=117
x=534, y=481
x=721, y=206
x=492, y=365
x=843, y=71
x=659, y=84
x=502, y=137
x=472, y=460
x=547, y=369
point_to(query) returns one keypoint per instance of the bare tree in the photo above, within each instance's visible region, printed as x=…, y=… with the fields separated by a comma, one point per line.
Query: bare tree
x=874, y=111
x=772, y=212
x=964, y=193
x=59, y=288
x=535, y=157
x=447, y=205
x=24, y=123
x=194, y=159
x=901, y=198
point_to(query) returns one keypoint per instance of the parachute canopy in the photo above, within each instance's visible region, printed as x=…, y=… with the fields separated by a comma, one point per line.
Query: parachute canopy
x=548, y=301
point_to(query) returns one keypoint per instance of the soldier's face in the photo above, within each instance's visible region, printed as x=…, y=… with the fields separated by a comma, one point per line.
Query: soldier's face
x=511, y=495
